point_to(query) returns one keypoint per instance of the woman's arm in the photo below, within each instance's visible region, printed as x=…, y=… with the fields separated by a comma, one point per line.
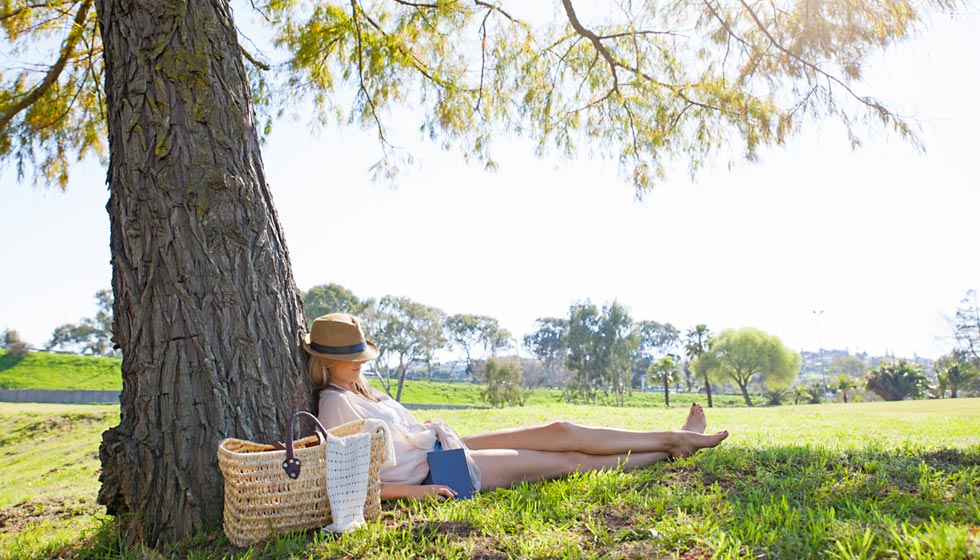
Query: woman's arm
x=415, y=491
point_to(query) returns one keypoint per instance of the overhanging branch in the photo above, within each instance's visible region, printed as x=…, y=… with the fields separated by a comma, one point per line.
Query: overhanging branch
x=67, y=51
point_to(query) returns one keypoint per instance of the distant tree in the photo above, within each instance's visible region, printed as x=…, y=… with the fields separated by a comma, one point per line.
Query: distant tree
x=895, y=381
x=503, y=382
x=500, y=341
x=955, y=372
x=967, y=327
x=533, y=376
x=81, y=338
x=407, y=332
x=696, y=341
x=468, y=332
x=844, y=384
x=583, y=356
x=815, y=393
x=689, y=377
x=775, y=397
x=618, y=341
x=800, y=393
x=665, y=370
x=656, y=340
x=8, y=337
x=332, y=298
x=91, y=335
x=549, y=344
x=942, y=385
x=741, y=355
x=16, y=348
x=601, y=345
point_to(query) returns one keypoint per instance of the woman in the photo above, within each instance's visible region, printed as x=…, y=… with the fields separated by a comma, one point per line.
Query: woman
x=338, y=348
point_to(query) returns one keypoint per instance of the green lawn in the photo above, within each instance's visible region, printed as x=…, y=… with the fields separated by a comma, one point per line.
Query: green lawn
x=868, y=480
x=43, y=370
x=468, y=394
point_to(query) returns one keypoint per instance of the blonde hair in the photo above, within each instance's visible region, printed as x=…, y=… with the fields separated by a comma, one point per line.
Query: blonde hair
x=320, y=375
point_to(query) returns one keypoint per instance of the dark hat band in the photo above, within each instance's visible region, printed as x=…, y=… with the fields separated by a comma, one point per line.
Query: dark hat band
x=354, y=349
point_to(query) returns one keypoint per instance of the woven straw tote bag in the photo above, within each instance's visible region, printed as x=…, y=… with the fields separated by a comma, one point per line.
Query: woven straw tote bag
x=262, y=500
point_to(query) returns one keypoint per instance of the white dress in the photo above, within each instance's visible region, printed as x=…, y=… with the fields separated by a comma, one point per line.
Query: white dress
x=412, y=439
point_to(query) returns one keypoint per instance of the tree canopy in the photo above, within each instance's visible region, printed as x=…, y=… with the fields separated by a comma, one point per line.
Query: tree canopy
x=741, y=355
x=601, y=343
x=332, y=298
x=895, y=381
x=91, y=335
x=411, y=332
x=643, y=83
x=696, y=341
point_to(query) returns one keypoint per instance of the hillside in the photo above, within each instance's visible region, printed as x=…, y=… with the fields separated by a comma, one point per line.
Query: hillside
x=44, y=370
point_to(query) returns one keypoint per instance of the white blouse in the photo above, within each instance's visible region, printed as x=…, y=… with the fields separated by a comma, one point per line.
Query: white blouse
x=412, y=439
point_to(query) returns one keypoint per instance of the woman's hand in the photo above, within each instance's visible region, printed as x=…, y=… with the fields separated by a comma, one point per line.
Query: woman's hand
x=418, y=491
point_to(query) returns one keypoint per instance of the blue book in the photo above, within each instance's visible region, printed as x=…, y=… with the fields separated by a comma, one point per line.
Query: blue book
x=448, y=467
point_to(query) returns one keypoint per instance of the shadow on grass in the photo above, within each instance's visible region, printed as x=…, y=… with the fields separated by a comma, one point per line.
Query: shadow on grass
x=805, y=502
x=738, y=502
x=9, y=360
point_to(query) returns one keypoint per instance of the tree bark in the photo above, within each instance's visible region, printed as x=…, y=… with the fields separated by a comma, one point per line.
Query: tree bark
x=707, y=389
x=206, y=310
x=745, y=392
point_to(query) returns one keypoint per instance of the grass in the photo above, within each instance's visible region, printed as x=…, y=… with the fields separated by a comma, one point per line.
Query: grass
x=868, y=480
x=44, y=370
x=468, y=394
x=49, y=469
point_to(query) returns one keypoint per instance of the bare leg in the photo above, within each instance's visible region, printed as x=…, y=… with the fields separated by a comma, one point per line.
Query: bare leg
x=504, y=467
x=567, y=436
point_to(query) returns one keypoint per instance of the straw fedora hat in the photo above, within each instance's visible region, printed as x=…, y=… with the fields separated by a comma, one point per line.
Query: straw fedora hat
x=339, y=336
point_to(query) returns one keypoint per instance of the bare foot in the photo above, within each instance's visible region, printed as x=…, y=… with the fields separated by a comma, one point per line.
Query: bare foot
x=687, y=443
x=696, y=421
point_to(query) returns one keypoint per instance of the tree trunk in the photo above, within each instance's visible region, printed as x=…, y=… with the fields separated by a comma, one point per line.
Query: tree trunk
x=400, y=374
x=206, y=311
x=745, y=392
x=666, y=391
x=707, y=389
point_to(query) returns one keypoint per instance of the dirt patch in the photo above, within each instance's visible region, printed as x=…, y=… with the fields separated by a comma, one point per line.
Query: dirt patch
x=16, y=518
x=461, y=530
x=617, y=519
x=481, y=552
x=696, y=553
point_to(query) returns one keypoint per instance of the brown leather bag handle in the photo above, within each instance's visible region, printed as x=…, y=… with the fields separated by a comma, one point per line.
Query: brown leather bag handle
x=292, y=465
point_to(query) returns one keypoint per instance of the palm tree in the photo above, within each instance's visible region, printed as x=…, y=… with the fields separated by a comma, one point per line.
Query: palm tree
x=666, y=368
x=895, y=381
x=698, y=339
x=801, y=393
x=954, y=371
x=845, y=384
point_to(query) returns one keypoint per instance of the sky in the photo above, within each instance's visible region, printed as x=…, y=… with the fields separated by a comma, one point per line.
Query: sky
x=824, y=246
